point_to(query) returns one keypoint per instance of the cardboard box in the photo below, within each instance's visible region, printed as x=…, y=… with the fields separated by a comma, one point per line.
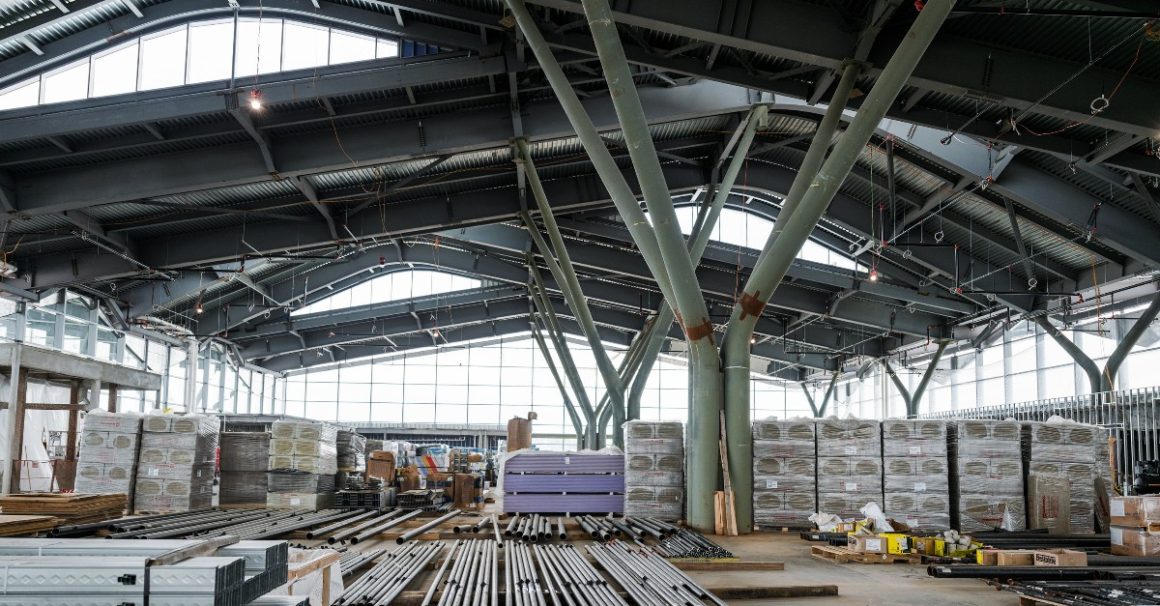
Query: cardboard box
x=1135, y=512
x=1060, y=557
x=382, y=455
x=867, y=544
x=1134, y=541
x=1015, y=557
x=896, y=542
x=932, y=546
x=384, y=470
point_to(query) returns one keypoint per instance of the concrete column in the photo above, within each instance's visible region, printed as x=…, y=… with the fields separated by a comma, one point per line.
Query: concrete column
x=15, y=428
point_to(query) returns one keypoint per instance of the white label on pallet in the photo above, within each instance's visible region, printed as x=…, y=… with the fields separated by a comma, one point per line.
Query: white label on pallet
x=1117, y=507
x=851, y=486
x=295, y=501
x=154, y=472
x=771, y=483
x=567, y=460
x=851, y=450
x=920, y=487
x=915, y=450
x=1117, y=536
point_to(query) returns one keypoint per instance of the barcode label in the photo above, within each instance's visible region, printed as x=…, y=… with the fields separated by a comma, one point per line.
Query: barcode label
x=771, y=483
x=851, y=486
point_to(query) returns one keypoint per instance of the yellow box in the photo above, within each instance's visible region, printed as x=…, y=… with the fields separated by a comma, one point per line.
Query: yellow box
x=896, y=542
x=931, y=546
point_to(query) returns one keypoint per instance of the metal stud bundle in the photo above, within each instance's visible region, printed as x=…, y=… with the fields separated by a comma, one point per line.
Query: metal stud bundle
x=565, y=572
x=784, y=465
x=654, y=464
x=388, y=578
x=649, y=578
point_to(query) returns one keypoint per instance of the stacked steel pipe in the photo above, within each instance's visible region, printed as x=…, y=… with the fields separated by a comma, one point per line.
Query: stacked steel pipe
x=352, y=561
x=690, y=544
x=535, y=528
x=521, y=583
x=473, y=578
x=649, y=578
x=388, y=578
x=568, y=574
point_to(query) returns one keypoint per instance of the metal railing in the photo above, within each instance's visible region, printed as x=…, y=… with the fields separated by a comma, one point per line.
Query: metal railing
x=1130, y=416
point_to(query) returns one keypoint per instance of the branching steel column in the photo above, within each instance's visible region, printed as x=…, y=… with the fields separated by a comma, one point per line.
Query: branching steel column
x=1089, y=366
x=565, y=275
x=829, y=395
x=916, y=397
x=796, y=227
x=1128, y=342
x=810, y=399
x=652, y=349
x=605, y=411
x=577, y=424
x=548, y=313
x=902, y=390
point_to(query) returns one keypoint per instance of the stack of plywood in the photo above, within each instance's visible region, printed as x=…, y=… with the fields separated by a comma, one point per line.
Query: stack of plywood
x=70, y=508
x=784, y=473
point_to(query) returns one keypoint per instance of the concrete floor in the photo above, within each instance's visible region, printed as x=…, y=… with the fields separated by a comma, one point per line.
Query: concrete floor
x=858, y=584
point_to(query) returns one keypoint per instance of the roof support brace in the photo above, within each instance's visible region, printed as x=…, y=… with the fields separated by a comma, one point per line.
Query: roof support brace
x=913, y=400
x=807, y=201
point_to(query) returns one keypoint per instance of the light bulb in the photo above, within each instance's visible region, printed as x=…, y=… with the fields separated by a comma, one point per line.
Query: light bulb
x=198, y=310
x=873, y=275
x=255, y=99
x=752, y=340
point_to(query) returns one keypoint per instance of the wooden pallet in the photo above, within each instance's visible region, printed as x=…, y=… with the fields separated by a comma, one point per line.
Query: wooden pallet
x=843, y=555
x=70, y=508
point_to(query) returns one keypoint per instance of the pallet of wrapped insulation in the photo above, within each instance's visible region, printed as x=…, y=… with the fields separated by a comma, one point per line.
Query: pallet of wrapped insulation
x=849, y=465
x=175, y=468
x=352, y=449
x=107, y=462
x=1071, y=450
x=916, y=478
x=654, y=470
x=987, y=475
x=303, y=460
x=244, y=461
x=784, y=473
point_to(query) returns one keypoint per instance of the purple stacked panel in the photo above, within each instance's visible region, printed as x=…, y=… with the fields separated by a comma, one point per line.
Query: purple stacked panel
x=569, y=503
x=540, y=483
x=564, y=463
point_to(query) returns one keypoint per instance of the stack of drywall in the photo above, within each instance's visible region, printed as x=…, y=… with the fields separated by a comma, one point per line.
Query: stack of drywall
x=849, y=465
x=654, y=470
x=915, y=475
x=987, y=483
x=303, y=461
x=559, y=482
x=108, y=458
x=244, y=458
x=351, y=451
x=784, y=466
x=1070, y=450
x=175, y=469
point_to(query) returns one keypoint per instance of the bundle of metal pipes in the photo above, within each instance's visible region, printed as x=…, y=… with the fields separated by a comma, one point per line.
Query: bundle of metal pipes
x=277, y=524
x=482, y=525
x=159, y=522
x=1093, y=593
x=1044, y=573
x=414, y=532
x=535, y=528
x=349, y=533
x=568, y=574
x=472, y=580
x=690, y=544
x=1037, y=540
x=352, y=561
x=388, y=579
x=650, y=580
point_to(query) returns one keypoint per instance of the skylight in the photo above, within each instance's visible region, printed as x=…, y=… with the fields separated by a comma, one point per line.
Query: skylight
x=393, y=286
x=198, y=52
x=740, y=228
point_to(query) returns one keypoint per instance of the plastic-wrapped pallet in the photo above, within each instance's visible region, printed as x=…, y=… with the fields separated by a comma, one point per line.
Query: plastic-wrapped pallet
x=175, y=468
x=849, y=465
x=303, y=459
x=1071, y=450
x=916, y=479
x=107, y=462
x=351, y=451
x=784, y=473
x=654, y=470
x=244, y=460
x=987, y=478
